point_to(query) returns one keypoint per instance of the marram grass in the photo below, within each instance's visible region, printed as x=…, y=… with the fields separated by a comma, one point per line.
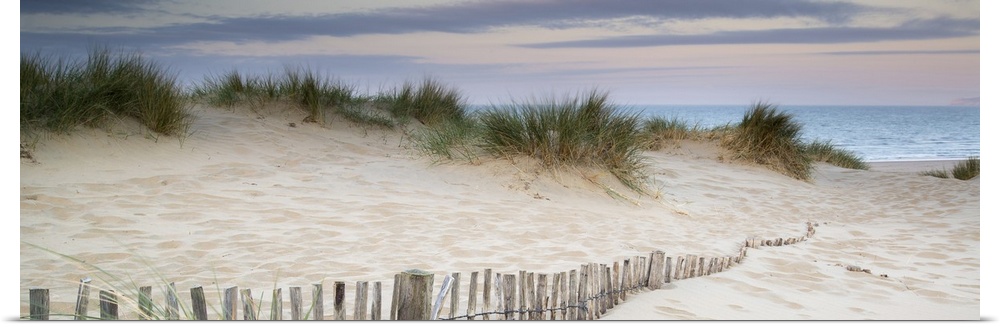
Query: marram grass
x=769, y=137
x=826, y=152
x=587, y=130
x=967, y=169
x=59, y=94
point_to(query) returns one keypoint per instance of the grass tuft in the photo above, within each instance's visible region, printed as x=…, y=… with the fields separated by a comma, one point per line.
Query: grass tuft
x=59, y=95
x=771, y=138
x=967, y=169
x=826, y=152
x=587, y=130
x=939, y=173
x=314, y=94
x=430, y=103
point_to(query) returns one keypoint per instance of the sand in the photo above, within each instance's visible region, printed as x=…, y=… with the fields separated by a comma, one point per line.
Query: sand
x=261, y=199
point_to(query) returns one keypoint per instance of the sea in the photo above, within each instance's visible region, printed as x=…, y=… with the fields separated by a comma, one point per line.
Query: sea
x=875, y=133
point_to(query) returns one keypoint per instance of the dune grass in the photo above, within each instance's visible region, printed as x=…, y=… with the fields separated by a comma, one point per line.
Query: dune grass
x=315, y=94
x=430, y=103
x=967, y=169
x=771, y=138
x=939, y=173
x=964, y=170
x=587, y=130
x=59, y=95
x=826, y=152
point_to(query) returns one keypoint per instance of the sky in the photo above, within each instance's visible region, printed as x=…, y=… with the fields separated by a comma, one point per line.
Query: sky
x=874, y=52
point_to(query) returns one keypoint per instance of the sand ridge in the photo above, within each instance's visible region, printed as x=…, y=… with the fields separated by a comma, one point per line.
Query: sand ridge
x=251, y=200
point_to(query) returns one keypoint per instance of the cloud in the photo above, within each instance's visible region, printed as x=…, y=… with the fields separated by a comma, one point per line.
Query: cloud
x=83, y=7
x=465, y=17
x=912, y=30
x=900, y=52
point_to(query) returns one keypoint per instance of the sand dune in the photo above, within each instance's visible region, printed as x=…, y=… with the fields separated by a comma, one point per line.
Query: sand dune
x=261, y=199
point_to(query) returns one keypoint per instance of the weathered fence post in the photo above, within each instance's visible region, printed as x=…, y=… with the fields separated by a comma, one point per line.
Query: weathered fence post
x=487, y=287
x=394, y=304
x=82, y=299
x=522, y=279
x=473, y=284
x=656, y=262
x=528, y=300
x=276, y=306
x=249, y=307
x=360, y=300
x=145, y=302
x=609, y=288
x=173, y=307
x=38, y=304
x=317, y=302
x=377, y=301
x=229, y=304
x=540, y=301
x=626, y=278
x=554, y=299
x=339, y=296
x=509, y=289
x=200, y=310
x=573, y=296
x=439, y=301
x=668, y=270
x=415, y=295
x=565, y=298
x=295, y=298
x=586, y=310
x=109, y=305
x=455, y=287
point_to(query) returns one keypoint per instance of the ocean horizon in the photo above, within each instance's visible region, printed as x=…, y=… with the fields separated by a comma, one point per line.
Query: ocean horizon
x=875, y=133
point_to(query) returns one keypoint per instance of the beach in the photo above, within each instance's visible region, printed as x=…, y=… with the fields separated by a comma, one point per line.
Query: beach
x=258, y=199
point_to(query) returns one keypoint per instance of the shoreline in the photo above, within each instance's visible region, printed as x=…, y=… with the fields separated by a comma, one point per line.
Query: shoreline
x=913, y=166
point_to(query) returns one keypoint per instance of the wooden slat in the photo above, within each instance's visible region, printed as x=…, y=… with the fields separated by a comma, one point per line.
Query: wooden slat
x=540, y=299
x=668, y=269
x=38, y=304
x=276, y=305
x=295, y=298
x=109, y=305
x=394, y=305
x=249, y=307
x=455, y=287
x=529, y=297
x=522, y=294
x=573, y=299
x=609, y=288
x=509, y=299
x=626, y=278
x=487, y=289
x=173, y=304
x=473, y=284
x=229, y=303
x=317, y=302
x=198, y=305
x=361, y=300
x=416, y=288
x=586, y=309
x=339, y=298
x=377, y=301
x=563, y=295
x=82, y=299
x=554, y=303
x=439, y=301
x=145, y=302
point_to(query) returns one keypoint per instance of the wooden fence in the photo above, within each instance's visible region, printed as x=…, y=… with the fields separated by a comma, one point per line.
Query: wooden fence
x=579, y=294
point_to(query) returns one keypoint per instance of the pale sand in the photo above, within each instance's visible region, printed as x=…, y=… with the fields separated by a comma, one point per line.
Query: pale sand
x=250, y=201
